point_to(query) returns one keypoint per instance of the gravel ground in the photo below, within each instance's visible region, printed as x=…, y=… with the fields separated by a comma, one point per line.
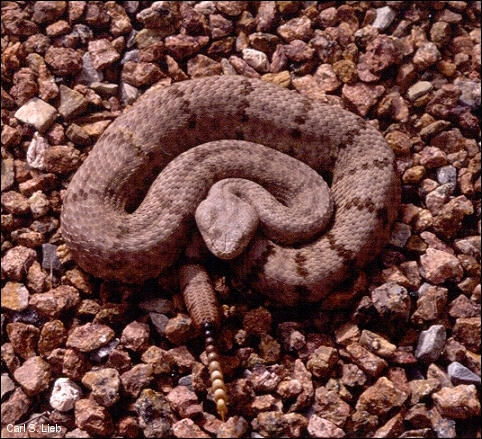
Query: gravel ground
x=396, y=354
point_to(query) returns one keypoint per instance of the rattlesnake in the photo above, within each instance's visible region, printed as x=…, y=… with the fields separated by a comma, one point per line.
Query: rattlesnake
x=115, y=235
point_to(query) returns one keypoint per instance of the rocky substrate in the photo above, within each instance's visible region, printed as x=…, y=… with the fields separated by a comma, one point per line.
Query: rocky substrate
x=396, y=354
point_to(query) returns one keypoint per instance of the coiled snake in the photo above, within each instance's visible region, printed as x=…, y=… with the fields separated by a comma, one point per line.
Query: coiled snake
x=124, y=220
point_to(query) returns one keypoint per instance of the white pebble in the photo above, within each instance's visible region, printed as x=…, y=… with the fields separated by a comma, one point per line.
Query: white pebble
x=64, y=394
x=256, y=59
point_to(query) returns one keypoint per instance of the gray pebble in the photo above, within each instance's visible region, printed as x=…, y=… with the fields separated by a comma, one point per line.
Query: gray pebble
x=7, y=385
x=50, y=260
x=445, y=428
x=459, y=374
x=400, y=234
x=447, y=174
x=430, y=344
x=384, y=17
x=419, y=89
x=159, y=321
x=186, y=381
x=102, y=353
x=89, y=73
x=470, y=93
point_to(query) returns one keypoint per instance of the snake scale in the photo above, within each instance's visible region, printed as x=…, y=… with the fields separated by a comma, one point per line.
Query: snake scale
x=125, y=220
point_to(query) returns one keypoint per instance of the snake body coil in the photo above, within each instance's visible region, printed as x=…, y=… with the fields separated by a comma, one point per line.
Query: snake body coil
x=123, y=222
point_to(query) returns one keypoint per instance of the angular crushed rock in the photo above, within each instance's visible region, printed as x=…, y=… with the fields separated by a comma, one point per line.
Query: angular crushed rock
x=401, y=358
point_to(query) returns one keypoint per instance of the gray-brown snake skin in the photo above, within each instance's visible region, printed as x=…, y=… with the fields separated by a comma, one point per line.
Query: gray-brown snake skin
x=113, y=244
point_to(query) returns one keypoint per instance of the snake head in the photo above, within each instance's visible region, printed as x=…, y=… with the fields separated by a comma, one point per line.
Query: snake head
x=226, y=222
